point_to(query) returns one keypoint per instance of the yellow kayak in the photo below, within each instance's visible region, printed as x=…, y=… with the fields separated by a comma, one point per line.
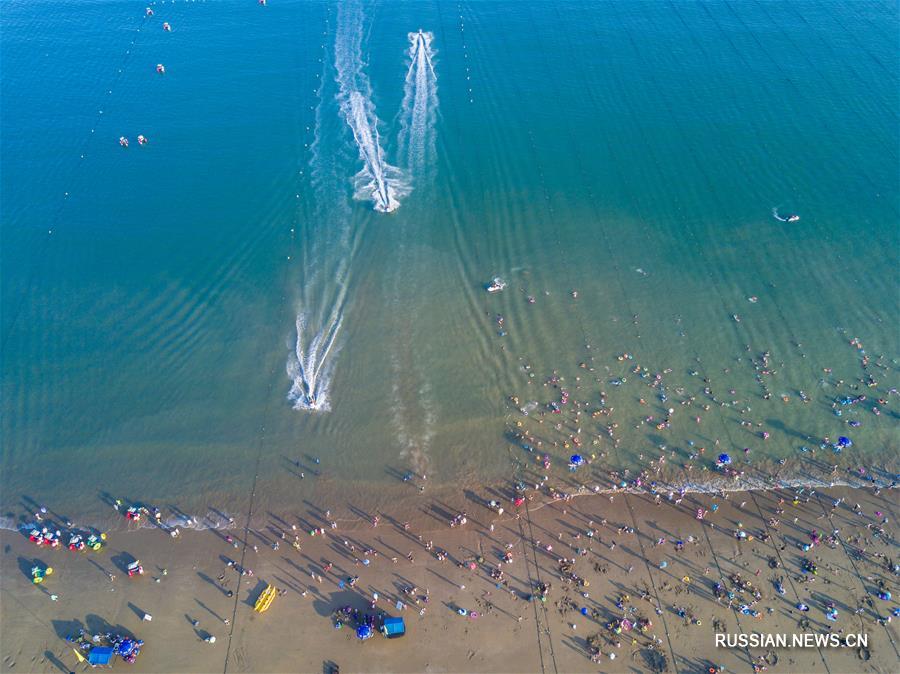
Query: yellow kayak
x=265, y=599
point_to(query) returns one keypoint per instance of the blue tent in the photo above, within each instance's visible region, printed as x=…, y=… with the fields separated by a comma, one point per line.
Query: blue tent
x=393, y=627
x=100, y=655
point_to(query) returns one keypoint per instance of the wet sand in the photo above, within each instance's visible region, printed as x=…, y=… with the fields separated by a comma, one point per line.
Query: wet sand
x=510, y=633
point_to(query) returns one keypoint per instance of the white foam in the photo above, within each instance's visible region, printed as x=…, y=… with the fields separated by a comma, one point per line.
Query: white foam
x=377, y=180
x=418, y=111
x=415, y=427
x=311, y=366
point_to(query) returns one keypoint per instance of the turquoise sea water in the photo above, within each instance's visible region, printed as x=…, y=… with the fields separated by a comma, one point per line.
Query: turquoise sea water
x=185, y=320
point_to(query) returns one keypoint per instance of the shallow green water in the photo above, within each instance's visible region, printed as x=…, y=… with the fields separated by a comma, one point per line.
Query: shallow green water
x=632, y=152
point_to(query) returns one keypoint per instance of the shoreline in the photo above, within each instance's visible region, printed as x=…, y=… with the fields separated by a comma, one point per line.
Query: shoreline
x=217, y=518
x=511, y=633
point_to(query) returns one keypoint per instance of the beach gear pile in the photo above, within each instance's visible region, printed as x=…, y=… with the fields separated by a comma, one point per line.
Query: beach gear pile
x=48, y=537
x=40, y=571
x=102, y=649
x=366, y=624
x=44, y=537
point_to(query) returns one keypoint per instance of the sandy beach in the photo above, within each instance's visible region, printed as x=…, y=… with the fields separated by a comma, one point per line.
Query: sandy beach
x=601, y=558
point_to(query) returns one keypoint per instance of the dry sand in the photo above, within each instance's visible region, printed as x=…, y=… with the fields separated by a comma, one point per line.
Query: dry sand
x=511, y=634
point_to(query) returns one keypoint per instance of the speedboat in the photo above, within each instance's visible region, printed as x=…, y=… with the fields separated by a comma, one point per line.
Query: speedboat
x=793, y=218
x=496, y=285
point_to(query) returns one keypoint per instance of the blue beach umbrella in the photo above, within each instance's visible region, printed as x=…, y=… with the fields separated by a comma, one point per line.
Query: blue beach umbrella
x=844, y=441
x=364, y=632
x=724, y=459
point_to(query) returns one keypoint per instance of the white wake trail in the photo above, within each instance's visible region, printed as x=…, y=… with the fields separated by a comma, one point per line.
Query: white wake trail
x=415, y=419
x=328, y=246
x=310, y=367
x=377, y=180
x=419, y=107
x=778, y=217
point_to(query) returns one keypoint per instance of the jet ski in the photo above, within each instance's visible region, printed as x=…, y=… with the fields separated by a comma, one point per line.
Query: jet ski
x=496, y=285
x=793, y=217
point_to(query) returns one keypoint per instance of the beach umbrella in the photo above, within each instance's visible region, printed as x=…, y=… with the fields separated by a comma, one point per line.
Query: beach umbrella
x=364, y=632
x=844, y=441
x=577, y=459
x=724, y=459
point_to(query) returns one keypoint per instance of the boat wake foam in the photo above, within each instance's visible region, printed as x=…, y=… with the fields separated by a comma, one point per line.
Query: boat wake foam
x=377, y=180
x=415, y=443
x=310, y=367
x=328, y=246
x=418, y=111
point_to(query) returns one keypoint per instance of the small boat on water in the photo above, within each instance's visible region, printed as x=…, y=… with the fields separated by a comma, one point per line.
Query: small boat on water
x=793, y=217
x=496, y=285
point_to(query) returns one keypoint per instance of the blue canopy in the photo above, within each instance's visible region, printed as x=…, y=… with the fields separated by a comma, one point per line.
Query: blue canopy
x=364, y=632
x=393, y=627
x=100, y=655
